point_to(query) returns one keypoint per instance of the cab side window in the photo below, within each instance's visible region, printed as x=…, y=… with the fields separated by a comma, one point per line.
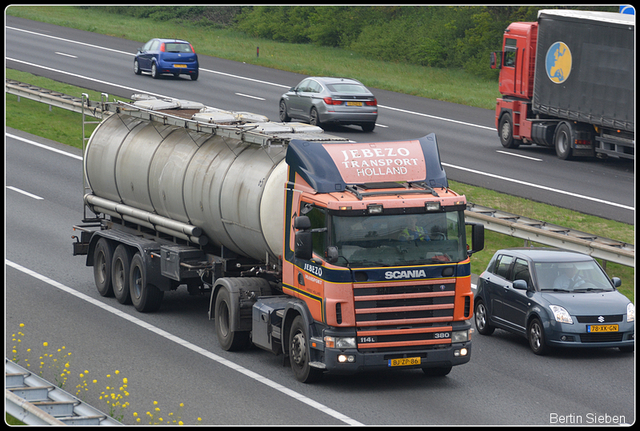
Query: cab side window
x=318, y=218
x=510, y=50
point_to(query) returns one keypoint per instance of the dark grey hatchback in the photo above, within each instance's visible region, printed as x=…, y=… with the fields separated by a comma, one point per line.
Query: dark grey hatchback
x=553, y=298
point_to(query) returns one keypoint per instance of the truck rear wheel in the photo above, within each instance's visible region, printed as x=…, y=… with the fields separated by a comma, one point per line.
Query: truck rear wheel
x=299, y=353
x=562, y=140
x=120, y=269
x=102, y=259
x=145, y=296
x=229, y=340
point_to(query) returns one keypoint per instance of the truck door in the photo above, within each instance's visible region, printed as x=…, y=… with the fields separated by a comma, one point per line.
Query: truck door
x=508, y=71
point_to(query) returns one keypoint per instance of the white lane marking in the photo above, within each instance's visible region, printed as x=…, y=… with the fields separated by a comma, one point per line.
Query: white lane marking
x=37, y=144
x=186, y=344
x=519, y=155
x=538, y=186
x=15, y=189
x=66, y=55
x=250, y=97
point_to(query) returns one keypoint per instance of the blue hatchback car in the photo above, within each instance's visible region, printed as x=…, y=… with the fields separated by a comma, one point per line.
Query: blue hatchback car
x=553, y=298
x=162, y=56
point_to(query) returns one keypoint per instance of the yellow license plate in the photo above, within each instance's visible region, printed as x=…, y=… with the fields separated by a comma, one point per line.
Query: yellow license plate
x=403, y=362
x=354, y=103
x=179, y=65
x=602, y=328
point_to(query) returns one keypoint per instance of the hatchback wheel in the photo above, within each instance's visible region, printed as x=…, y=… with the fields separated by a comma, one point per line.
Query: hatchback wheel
x=535, y=334
x=482, y=319
x=154, y=71
x=136, y=67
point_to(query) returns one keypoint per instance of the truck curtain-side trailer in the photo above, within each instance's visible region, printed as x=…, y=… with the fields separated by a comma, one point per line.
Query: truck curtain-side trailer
x=568, y=81
x=340, y=256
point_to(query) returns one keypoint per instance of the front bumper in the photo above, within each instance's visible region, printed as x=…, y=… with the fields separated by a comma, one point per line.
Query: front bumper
x=578, y=335
x=359, y=361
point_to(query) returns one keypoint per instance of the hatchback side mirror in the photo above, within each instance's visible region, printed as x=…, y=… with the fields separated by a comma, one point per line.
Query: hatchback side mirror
x=520, y=284
x=616, y=282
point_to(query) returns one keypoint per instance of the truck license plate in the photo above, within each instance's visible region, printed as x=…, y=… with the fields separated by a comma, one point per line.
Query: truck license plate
x=602, y=328
x=401, y=362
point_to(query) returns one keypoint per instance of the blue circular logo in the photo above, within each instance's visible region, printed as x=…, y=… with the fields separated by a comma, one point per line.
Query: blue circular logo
x=558, y=62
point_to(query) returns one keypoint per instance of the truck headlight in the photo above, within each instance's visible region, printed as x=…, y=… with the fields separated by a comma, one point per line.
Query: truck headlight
x=460, y=336
x=561, y=315
x=631, y=312
x=340, y=342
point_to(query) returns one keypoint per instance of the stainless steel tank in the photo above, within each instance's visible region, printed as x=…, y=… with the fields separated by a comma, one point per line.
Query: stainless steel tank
x=231, y=189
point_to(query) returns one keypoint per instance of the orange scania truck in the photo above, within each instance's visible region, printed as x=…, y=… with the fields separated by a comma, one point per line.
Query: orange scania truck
x=341, y=256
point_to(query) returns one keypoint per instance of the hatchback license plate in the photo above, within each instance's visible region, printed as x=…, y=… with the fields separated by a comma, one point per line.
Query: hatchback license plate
x=602, y=328
x=354, y=103
x=179, y=65
x=401, y=362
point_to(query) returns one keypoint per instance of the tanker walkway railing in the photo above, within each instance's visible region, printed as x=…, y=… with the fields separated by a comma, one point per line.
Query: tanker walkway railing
x=529, y=230
x=34, y=401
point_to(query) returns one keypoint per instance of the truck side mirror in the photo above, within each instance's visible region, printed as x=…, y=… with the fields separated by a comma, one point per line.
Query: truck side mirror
x=477, y=237
x=303, y=240
x=331, y=254
x=496, y=60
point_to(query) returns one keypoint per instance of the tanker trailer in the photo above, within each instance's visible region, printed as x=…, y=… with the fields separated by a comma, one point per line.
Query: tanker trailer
x=296, y=235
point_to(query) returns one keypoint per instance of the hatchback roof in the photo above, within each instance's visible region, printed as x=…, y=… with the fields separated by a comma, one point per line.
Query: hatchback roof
x=543, y=254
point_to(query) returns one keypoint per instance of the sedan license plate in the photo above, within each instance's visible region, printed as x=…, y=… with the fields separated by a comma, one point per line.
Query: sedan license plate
x=602, y=328
x=179, y=65
x=354, y=103
x=401, y=362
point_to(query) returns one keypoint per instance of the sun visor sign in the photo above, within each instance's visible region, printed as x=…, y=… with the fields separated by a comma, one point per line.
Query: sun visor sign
x=379, y=162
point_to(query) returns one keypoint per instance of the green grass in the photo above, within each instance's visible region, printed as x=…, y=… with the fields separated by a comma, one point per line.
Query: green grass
x=454, y=86
x=448, y=85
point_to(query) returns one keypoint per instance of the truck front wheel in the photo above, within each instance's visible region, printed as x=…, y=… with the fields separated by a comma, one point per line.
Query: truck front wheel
x=145, y=296
x=299, y=353
x=505, y=130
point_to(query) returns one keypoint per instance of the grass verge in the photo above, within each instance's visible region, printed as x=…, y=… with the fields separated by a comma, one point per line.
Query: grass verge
x=66, y=127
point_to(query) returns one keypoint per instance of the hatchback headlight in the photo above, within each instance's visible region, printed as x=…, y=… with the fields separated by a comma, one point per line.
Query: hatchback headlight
x=631, y=312
x=561, y=315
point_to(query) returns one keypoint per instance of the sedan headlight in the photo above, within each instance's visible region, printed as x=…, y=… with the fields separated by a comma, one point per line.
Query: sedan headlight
x=631, y=312
x=561, y=315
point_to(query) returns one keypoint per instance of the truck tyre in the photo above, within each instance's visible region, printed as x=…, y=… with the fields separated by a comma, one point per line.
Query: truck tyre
x=505, y=131
x=482, y=319
x=284, y=116
x=120, y=269
x=145, y=296
x=229, y=340
x=102, y=259
x=437, y=371
x=299, y=353
x=562, y=141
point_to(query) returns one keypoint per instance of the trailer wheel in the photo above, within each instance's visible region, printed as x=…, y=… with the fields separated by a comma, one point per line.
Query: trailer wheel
x=505, y=131
x=102, y=258
x=562, y=140
x=145, y=296
x=229, y=340
x=299, y=353
x=120, y=269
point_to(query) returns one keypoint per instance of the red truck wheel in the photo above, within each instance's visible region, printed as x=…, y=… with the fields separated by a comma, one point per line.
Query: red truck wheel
x=505, y=131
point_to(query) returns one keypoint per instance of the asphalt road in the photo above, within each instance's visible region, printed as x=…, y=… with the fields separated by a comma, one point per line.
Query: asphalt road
x=172, y=356
x=469, y=145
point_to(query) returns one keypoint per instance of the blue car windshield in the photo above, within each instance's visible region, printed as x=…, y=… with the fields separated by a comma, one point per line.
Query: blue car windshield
x=584, y=276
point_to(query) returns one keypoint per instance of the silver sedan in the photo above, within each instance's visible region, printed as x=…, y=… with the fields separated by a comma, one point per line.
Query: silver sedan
x=322, y=100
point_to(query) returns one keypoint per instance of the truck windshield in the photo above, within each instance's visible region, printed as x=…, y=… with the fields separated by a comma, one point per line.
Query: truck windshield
x=399, y=240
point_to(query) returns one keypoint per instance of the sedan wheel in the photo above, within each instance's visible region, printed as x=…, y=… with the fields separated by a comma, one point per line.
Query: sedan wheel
x=284, y=115
x=136, y=67
x=314, y=118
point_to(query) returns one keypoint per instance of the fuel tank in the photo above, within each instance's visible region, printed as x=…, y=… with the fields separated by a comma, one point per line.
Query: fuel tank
x=231, y=189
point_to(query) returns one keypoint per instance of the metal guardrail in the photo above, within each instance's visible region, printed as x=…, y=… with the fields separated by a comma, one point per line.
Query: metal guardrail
x=495, y=220
x=34, y=401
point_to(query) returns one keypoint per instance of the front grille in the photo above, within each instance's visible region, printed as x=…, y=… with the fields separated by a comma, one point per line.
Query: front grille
x=601, y=337
x=600, y=318
x=406, y=316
